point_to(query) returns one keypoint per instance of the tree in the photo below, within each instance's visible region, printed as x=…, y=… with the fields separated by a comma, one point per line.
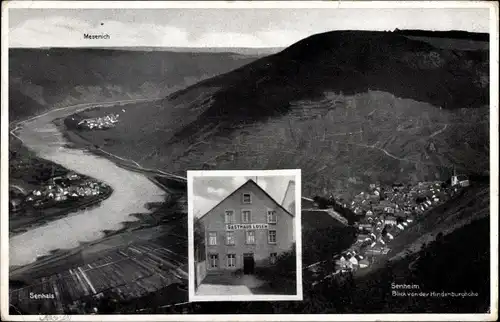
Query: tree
x=322, y=202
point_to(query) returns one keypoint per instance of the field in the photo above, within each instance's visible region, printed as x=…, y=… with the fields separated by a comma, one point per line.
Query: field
x=128, y=273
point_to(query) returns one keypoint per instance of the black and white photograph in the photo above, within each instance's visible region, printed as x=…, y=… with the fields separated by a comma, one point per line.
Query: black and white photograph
x=262, y=160
x=244, y=230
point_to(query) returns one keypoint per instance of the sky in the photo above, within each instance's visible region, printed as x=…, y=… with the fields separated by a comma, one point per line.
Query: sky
x=209, y=191
x=256, y=28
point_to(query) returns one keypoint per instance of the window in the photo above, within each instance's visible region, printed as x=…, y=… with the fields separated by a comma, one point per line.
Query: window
x=250, y=237
x=246, y=216
x=212, y=239
x=213, y=260
x=272, y=258
x=229, y=216
x=247, y=198
x=231, y=260
x=271, y=236
x=271, y=216
x=230, y=238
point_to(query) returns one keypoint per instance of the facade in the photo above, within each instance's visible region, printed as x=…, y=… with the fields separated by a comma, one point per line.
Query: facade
x=248, y=229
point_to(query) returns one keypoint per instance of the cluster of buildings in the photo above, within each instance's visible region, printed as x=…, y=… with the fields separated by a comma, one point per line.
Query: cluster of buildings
x=99, y=123
x=63, y=188
x=384, y=213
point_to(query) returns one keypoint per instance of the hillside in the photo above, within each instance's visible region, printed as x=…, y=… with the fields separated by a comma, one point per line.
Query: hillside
x=56, y=77
x=347, y=107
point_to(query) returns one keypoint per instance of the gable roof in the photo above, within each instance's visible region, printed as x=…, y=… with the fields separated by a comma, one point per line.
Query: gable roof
x=249, y=182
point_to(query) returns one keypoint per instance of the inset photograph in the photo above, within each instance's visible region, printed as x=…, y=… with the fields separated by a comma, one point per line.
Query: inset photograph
x=244, y=235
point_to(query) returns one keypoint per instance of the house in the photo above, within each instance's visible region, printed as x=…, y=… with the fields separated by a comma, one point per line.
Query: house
x=363, y=238
x=353, y=260
x=247, y=229
x=390, y=220
x=369, y=213
x=365, y=226
x=400, y=227
x=389, y=210
x=342, y=263
x=363, y=263
x=375, y=250
x=464, y=183
x=390, y=236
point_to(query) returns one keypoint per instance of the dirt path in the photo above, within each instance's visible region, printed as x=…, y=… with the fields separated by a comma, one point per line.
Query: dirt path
x=439, y=131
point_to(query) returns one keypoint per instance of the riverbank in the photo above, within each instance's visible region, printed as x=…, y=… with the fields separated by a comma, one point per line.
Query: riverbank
x=77, y=141
x=131, y=191
x=60, y=259
x=28, y=171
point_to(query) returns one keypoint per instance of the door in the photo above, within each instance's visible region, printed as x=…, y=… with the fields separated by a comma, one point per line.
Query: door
x=248, y=263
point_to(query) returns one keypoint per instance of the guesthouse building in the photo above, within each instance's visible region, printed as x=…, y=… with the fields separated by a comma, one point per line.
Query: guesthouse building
x=247, y=230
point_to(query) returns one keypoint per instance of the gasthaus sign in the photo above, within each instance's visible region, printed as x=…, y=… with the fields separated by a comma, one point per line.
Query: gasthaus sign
x=246, y=226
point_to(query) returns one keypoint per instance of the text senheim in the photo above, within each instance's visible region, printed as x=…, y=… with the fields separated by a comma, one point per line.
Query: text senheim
x=246, y=226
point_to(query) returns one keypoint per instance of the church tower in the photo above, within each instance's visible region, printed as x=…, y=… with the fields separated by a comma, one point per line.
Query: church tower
x=454, y=178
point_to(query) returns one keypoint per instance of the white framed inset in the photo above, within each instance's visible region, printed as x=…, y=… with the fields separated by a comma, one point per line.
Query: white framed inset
x=241, y=257
x=420, y=18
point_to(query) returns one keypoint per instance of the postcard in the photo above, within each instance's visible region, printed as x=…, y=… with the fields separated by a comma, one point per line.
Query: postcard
x=250, y=161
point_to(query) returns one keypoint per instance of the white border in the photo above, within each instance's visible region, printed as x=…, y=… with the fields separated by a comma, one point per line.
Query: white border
x=248, y=4
x=297, y=224
x=494, y=13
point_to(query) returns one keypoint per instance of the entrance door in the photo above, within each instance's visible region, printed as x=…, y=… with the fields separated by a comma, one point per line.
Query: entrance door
x=248, y=263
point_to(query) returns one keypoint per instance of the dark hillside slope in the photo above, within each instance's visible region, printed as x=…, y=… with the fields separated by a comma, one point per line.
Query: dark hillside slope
x=346, y=107
x=347, y=62
x=21, y=105
x=65, y=76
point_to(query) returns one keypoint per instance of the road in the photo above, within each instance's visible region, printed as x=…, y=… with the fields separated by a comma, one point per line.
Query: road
x=439, y=131
x=18, y=188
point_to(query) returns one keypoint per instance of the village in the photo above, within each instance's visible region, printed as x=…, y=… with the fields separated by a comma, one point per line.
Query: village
x=99, y=123
x=59, y=190
x=384, y=212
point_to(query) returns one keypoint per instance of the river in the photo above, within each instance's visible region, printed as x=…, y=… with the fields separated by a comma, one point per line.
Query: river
x=132, y=191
